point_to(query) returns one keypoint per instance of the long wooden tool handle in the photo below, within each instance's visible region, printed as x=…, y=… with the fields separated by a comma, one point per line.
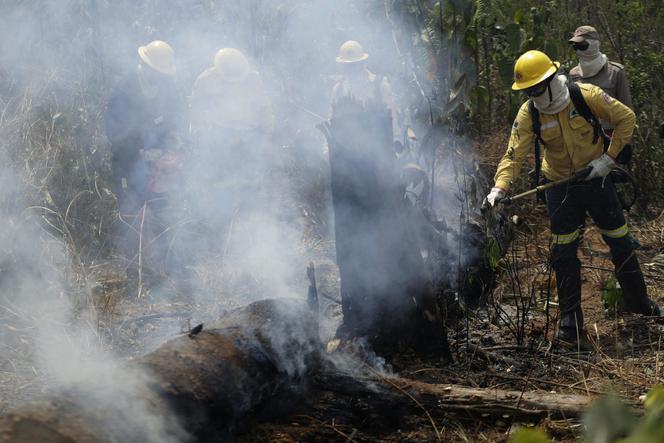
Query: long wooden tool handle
x=578, y=176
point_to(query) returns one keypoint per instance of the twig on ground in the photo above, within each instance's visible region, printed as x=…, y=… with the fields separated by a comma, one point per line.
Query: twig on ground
x=549, y=382
x=349, y=438
x=409, y=395
x=140, y=252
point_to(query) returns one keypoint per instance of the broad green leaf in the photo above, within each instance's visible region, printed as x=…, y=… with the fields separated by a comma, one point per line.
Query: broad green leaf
x=650, y=428
x=518, y=16
x=655, y=398
x=612, y=298
x=492, y=253
x=608, y=420
x=528, y=435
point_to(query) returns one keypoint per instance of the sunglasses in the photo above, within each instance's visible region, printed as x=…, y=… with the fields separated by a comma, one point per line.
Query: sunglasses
x=580, y=46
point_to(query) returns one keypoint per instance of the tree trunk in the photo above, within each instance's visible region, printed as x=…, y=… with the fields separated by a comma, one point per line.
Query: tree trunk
x=196, y=387
x=385, y=291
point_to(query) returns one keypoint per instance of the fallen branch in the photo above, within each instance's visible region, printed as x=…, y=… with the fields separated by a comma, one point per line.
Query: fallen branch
x=471, y=403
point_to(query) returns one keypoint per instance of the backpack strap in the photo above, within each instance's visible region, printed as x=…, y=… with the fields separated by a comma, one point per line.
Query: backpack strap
x=584, y=111
x=537, y=131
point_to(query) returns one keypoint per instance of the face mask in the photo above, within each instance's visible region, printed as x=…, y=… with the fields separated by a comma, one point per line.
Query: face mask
x=555, y=98
x=537, y=90
x=591, y=50
x=591, y=60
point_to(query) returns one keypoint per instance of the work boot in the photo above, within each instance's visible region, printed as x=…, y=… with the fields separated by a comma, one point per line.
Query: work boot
x=570, y=326
x=568, y=283
x=634, y=291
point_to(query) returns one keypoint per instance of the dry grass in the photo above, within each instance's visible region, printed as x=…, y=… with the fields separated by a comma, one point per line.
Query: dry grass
x=627, y=349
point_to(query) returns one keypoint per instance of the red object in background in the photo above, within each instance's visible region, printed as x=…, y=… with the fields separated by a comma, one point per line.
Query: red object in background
x=165, y=174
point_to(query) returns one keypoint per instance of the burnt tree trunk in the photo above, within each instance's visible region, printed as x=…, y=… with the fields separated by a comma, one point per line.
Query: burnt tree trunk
x=193, y=388
x=385, y=291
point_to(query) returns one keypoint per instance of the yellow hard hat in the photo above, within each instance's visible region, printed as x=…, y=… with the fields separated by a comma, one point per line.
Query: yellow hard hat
x=231, y=64
x=159, y=56
x=351, y=52
x=532, y=68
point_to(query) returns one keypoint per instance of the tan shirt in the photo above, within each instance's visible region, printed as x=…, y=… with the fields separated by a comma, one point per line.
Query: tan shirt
x=219, y=104
x=612, y=79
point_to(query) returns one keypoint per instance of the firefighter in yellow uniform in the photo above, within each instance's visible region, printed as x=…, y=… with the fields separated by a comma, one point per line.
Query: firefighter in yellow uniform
x=569, y=147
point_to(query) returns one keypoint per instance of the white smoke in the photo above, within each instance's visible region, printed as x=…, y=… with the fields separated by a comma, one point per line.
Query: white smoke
x=55, y=155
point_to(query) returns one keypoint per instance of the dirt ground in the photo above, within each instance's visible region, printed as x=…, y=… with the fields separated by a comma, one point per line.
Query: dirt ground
x=625, y=356
x=504, y=344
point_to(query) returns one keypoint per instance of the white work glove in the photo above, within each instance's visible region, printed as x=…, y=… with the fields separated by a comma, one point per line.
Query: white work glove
x=602, y=166
x=495, y=196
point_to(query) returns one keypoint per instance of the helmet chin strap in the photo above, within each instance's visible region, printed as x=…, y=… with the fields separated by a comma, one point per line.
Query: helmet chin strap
x=556, y=98
x=548, y=88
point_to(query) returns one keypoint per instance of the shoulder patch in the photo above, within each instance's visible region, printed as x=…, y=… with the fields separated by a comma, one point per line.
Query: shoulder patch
x=617, y=65
x=607, y=98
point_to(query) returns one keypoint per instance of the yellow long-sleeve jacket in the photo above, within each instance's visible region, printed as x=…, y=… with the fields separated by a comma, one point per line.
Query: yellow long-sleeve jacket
x=568, y=137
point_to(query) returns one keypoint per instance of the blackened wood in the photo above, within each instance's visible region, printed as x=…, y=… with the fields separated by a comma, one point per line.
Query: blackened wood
x=198, y=389
x=385, y=291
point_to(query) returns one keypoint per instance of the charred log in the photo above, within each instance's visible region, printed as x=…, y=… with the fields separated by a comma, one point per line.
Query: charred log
x=198, y=388
x=202, y=388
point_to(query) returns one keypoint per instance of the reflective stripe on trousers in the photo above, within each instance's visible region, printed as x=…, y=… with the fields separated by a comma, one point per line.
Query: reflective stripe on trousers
x=615, y=233
x=565, y=239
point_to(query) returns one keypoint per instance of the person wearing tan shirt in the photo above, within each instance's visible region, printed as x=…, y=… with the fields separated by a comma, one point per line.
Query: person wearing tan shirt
x=595, y=68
